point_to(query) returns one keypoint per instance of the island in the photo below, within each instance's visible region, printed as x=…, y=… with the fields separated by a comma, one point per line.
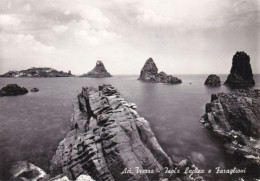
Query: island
x=12, y=90
x=149, y=73
x=241, y=75
x=38, y=72
x=98, y=72
x=213, y=81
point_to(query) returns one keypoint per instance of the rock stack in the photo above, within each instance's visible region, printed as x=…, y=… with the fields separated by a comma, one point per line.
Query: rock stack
x=110, y=141
x=98, y=72
x=13, y=90
x=149, y=73
x=241, y=73
x=213, y=81
x=235, y=117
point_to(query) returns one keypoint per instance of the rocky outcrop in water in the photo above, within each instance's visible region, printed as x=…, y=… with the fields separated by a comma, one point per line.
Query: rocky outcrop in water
x=98, y=72
x=34, y=90
x=26, y=171
x=110, y=141
x=38, y=72
x=241, y=73
x=213, y=81
x=235, y=117
x=149, y=73
x=13, y=90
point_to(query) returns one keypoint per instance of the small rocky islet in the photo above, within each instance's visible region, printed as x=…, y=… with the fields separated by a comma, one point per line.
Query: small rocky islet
x=35, y=90
x=213, y=81
x=12, y=90
x=149, y=73
x=15, y=90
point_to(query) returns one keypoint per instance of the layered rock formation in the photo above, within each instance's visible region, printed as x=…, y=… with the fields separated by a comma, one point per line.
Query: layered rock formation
x=235, y=117
x=37, y=72
x=98, y=72
x=241, y=72
x=110, y=141
x=149, y=73
x=213, y=81
x=13, y=90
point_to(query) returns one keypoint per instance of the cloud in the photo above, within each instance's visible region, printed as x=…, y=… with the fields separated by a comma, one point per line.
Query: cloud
x=24, y=45
x=154, y=19
x=95, y=17
x=81, y=30
x=21, y=51
x=60, y=28
x=27, y=7
x=9, y=20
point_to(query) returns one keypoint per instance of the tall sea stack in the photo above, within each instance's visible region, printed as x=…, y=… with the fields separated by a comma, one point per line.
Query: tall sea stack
x=241, y=73
x=149, y=73
x=98, y=72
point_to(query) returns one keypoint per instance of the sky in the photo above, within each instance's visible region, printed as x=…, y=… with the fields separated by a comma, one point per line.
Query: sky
x=182, y=36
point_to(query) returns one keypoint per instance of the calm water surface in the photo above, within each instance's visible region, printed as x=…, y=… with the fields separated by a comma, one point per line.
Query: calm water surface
x=32, y=125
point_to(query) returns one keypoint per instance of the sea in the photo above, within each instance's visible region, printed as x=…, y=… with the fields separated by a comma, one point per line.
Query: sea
x=32, y=125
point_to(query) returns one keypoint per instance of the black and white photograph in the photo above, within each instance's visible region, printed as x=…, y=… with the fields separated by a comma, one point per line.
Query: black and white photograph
x=130, y=90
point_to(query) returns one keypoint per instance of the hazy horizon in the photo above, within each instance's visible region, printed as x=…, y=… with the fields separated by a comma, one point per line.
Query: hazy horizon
x=183, y=37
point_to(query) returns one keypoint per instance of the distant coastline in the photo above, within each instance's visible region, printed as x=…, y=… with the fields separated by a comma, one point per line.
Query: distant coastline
x=37, y=72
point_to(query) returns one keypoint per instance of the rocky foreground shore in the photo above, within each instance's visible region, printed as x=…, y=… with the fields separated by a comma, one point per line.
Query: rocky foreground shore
x=109, y=141
x=235, y=117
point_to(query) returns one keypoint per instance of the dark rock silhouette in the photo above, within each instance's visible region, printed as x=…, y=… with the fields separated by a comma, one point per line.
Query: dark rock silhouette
x=235, y=117
x=213, y=81
x=98, y=72
x=110, y=137
x=241, y=73
x=149, y=73
x=34, y=90
x=37, y=72
x=13, y=90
